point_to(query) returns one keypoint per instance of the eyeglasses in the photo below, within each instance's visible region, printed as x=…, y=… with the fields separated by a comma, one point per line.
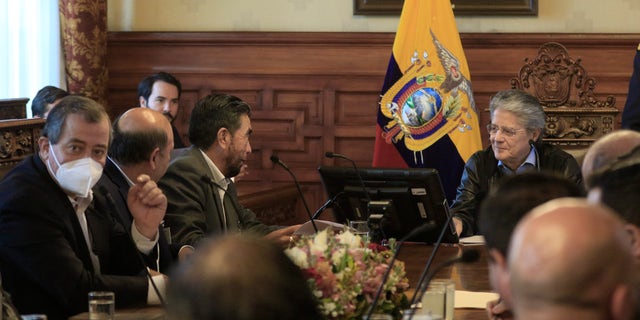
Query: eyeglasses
x=509, y=132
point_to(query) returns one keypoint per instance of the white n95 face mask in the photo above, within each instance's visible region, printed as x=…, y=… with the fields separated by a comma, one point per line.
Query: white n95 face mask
x=77, y=176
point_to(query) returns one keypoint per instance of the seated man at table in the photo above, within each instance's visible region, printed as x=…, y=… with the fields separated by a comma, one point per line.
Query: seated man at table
x=161, y=92
x=222, y=281
x=202, y=198
x=55, y=246
x=558, y=273
x=500, y=213
x=515, y=134
x=142, y=144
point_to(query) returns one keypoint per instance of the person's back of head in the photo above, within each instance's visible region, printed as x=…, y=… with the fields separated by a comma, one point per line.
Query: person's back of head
x=608, y=149
x=617, y=184
x=571, y=258
x=45, y=99
x=240, y=277
x=142, y=136
x=516, y=195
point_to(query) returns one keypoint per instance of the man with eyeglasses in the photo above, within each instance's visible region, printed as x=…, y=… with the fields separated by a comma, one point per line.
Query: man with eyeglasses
x=515, y=134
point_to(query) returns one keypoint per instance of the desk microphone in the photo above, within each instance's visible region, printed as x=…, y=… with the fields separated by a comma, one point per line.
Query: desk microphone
x=210, y=181
x=422, y=228
x=326, y=205
x=277, y=161
x=330, y=154
x=113, y=208
x=468, y=256
x=436, y=246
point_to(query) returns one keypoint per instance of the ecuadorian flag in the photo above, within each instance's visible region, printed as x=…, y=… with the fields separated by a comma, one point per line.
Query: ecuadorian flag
x=427, y=117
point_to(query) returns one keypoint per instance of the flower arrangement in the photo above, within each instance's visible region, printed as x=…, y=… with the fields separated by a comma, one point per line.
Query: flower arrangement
x=345, y=272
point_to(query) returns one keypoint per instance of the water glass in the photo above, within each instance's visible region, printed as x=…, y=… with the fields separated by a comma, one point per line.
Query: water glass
x=418, y=314
x=33, y=316
x=101, y=305
x=449, y=296
x=378, y=316
x=360, y=228
x=433, y=299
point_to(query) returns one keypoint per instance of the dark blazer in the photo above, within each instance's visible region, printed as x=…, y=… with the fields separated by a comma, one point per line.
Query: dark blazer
x=115, y=183
x=481, y=174
x=631, y=112
x=43, y=255
x=194, y=210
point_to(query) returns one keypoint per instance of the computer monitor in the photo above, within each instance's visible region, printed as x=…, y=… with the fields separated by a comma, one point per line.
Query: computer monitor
x=409, y=198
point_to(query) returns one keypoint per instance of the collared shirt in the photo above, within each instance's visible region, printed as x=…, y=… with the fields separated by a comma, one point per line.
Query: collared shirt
x=80, y=205
x=528, y=164
x=221, y=180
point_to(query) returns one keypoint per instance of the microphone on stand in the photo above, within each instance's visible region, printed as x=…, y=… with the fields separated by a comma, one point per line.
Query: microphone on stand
x=415, y=231
x=468, y=256
x=436, y=246
x=330, y=154
x=277, y=161
x=326, y=205
x=112, y=206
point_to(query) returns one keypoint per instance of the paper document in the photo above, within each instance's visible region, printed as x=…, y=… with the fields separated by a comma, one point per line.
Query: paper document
x=472, y=240
x=475, y=300
x=307, y=227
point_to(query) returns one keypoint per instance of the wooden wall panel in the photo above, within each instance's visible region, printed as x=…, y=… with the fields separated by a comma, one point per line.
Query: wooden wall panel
x=317, y=92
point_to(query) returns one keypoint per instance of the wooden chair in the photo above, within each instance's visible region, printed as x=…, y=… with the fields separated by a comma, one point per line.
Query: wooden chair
x=575, y=116
x=18, y=140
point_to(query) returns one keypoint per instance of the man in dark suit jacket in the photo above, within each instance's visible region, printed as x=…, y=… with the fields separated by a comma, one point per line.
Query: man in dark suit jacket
x=202, y=198
x=55, y=246
x=631, y=111
x=142, y=144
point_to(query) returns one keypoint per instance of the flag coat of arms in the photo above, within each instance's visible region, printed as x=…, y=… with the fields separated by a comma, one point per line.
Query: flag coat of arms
x=427, y=117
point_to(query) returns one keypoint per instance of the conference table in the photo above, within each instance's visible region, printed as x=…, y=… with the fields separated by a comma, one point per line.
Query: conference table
x=470, y=277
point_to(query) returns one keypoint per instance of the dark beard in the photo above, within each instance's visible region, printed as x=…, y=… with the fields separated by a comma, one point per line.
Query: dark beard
x=232, y=172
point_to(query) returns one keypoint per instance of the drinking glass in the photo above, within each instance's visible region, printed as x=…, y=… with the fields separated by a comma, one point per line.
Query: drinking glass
x=360, y=228
x=101, y=305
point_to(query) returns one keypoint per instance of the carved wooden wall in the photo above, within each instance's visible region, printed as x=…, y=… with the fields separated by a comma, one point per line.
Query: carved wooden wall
x=317, y=92
x=18, y=140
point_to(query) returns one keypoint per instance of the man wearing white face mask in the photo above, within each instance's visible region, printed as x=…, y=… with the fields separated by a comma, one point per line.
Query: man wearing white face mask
x=56, y=248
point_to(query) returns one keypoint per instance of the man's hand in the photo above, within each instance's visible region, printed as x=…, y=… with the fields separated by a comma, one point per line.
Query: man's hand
x=147, y=204
x=283, y=236
x=458, y=224
x=498, y=310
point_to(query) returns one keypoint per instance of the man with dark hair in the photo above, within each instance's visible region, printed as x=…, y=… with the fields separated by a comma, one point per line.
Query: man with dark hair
x=161, y=92
x=202, y=198
x=500, y=213
x=46, y=98
x=221, y=281
x=57, y=248
x=142, y=144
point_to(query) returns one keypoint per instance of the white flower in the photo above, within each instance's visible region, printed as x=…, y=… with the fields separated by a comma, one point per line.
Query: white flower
x=320, y=243
x=338, y=255
x=298, y=256
x=349, y=239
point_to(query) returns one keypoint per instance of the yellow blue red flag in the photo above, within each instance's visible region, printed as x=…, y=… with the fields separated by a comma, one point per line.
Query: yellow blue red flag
x=427, y=116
